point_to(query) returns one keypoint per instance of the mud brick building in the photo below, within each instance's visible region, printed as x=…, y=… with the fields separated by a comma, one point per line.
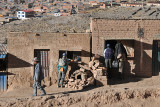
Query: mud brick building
x=140, y=38
x=48, y=47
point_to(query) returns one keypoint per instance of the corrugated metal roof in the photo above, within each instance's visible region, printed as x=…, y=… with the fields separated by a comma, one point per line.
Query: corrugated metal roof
x=3, y=51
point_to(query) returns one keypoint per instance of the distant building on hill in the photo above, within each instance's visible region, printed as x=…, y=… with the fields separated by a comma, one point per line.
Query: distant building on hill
x=57, y=14
x=24, y=14
x=153, y=3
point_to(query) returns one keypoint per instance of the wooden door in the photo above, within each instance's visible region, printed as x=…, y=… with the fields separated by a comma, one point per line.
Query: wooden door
x=43, y=57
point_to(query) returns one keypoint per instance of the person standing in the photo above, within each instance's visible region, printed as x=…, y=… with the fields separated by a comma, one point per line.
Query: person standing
x=62, y=69
x=38, y=76
x=108, y=54
x=121, y=55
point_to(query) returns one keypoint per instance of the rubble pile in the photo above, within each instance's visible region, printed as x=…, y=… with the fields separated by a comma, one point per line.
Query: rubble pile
x=80, y=79
x=92, y=74
x=99, y=71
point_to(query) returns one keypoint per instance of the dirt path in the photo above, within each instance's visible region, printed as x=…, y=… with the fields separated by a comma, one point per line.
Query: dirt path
x=132, y=92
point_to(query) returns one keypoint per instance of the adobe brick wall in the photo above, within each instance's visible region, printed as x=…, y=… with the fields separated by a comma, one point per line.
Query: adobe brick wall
x=21, y=52
x=104, y=29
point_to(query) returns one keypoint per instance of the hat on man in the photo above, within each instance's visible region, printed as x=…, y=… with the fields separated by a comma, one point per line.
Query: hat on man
x=64, y=54
x=108, y=45
x=35, y=59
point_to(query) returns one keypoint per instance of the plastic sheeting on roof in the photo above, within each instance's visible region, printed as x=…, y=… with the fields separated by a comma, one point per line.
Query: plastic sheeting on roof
x=2, y=56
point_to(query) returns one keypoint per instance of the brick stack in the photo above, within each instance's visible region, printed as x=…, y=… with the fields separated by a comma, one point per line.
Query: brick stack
x=99, y=71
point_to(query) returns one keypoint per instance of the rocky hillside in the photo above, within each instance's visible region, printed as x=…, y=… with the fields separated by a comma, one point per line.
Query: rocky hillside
x=77, y=23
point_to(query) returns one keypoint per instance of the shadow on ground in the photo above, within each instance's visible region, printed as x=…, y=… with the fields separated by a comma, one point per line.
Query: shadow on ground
x=76, y=91
x=115, y=80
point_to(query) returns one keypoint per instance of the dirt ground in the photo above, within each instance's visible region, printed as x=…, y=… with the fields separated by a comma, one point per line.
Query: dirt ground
x=131, y=92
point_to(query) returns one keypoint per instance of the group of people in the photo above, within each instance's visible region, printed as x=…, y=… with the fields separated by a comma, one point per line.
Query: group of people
x=118, y=54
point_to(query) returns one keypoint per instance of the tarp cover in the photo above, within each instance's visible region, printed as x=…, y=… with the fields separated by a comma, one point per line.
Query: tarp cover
x=2, y=56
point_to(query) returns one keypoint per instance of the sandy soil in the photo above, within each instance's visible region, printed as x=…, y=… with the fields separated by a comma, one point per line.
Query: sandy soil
x=131, y=92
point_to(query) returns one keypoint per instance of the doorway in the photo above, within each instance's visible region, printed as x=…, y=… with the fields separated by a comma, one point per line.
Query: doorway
x=128, y=45
x=43, y=57
x=156, y=57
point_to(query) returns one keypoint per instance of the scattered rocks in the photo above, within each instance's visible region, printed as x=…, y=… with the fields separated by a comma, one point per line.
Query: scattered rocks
x=79, y=23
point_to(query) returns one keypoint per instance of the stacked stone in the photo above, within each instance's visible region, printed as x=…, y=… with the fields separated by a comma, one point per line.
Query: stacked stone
x=87, y=75
x=99, y=71
x=96, y=67
x=79, y=79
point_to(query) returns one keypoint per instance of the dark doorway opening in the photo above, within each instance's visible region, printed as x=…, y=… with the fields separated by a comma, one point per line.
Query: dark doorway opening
x=156, y=57
x=3, y=65
x=71, y=54
x=111, y=42
x=128, y=45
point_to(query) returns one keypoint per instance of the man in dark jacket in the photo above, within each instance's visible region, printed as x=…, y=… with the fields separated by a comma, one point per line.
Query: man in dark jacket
x=108, y=54
x=121, y=55
x=37, y=78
